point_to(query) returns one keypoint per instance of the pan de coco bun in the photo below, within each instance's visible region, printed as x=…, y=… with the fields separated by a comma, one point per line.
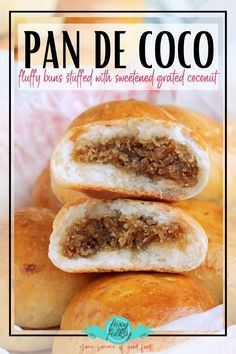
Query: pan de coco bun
x=19, y=344
x=42, y=194
x=41, y=291
x=149, y=298
x=94, y=235
x=162, y=345
x=132, y=149
x=210, y=217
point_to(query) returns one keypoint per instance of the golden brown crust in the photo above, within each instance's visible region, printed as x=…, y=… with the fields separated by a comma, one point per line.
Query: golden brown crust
x=116, y=110
x=26, y=344
x=42, y=194
x=41, y=290
x=147, y=298
x=131, y=261
x=124, y=110
x=210, y=217
x=209, y=129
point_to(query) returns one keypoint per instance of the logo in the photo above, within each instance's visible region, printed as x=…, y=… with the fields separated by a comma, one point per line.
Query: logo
x=118, y=330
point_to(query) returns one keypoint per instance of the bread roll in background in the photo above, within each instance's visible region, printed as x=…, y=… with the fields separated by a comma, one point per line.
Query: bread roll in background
x=22, y=344
x=42, y=194
x=113, y=150
x=94, y=235
x=210, y=217
x=149, y=298
x=41, y=291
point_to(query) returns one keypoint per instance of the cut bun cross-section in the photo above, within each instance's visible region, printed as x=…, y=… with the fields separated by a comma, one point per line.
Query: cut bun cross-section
x=139, y=158
x=92, y=235
x=132, y=156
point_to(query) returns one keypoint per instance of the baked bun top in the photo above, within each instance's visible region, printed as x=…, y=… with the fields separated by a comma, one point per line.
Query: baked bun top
x=93, y=235
x=19, y=344
x=149, y=298
x=41, y=291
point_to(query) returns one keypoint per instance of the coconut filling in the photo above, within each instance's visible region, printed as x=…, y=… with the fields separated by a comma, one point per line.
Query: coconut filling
x=91, y=235
x=160, y=157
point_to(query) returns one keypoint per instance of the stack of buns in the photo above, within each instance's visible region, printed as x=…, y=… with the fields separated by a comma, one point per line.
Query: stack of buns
x=134, y=190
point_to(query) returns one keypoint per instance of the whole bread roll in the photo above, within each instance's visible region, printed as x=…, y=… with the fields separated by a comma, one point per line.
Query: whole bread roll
x=42, y=194
x=149, y=298
x=210, y=217
x=41, y=291
x=19, y=344
x=131, y=149
x=94, y=235
x=175, y=345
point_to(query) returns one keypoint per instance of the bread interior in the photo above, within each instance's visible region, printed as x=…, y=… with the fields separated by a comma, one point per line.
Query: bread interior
x=159, y=157
x=93, y=234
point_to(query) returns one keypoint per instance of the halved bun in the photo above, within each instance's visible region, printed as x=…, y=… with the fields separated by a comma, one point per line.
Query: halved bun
x=148, y=154
x=152, y=299
x=120, y=235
